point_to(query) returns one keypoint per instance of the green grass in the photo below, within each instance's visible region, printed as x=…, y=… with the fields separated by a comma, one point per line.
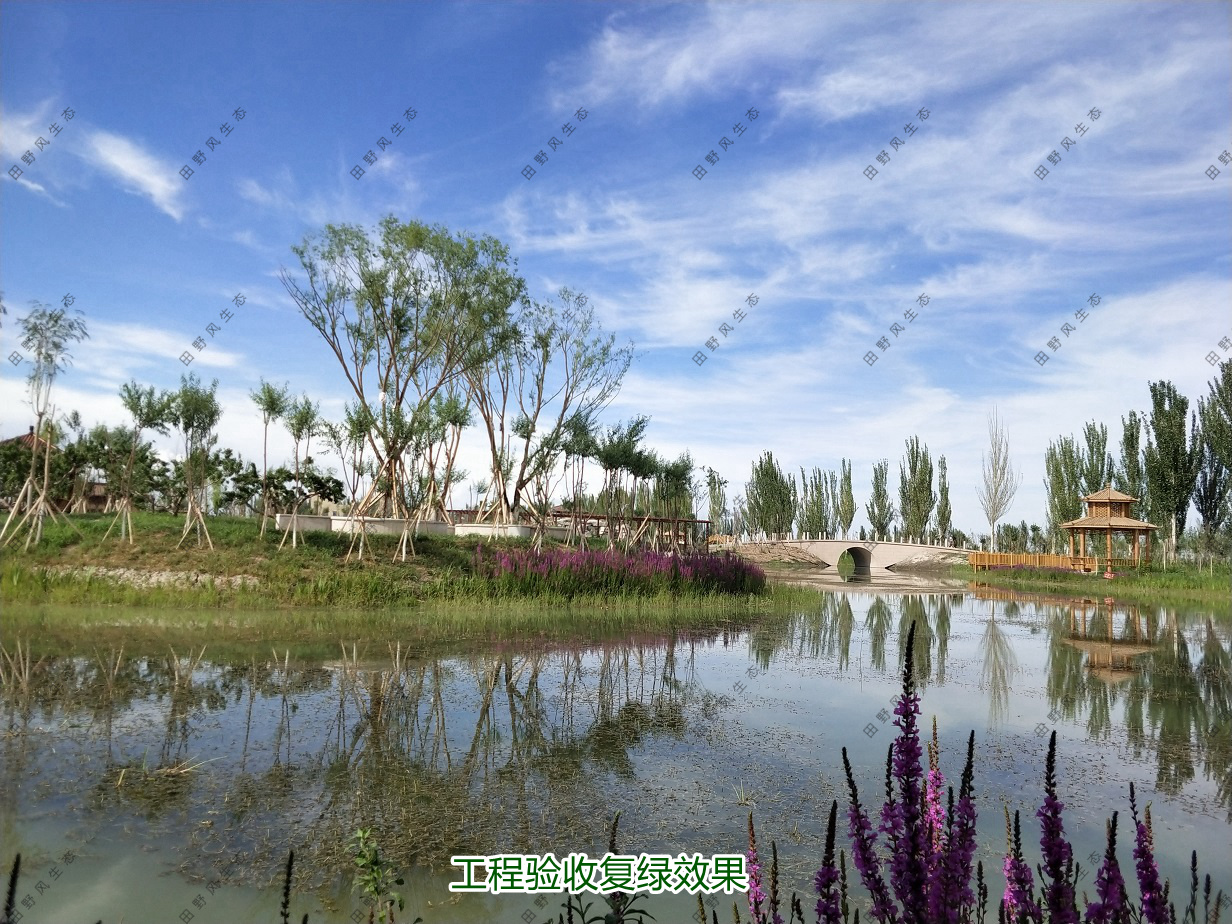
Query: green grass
x=434, y=626
x=1179, y=582
x=315, y=574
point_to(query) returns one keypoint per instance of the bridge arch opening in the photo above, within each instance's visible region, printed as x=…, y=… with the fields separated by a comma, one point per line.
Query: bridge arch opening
x=862, y=558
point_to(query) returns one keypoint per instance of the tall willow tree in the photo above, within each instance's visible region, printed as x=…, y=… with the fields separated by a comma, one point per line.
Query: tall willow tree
x=770, y=497
x=1062, y=484
x=879, y=509
x=408, y=312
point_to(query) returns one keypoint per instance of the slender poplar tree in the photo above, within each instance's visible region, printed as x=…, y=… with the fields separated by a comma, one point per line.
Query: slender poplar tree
x=944, y=512
x=846, y=507
x=1172, y=461
x=879, y=509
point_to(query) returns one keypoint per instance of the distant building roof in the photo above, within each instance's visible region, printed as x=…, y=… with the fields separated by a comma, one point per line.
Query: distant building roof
x=26, y=439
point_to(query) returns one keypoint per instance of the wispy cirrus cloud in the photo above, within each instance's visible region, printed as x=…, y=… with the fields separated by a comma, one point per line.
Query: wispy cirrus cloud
x=137, y=170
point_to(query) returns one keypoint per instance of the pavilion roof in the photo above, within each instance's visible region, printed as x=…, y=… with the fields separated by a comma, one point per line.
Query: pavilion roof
x=1108, y=523
x=1108, y=493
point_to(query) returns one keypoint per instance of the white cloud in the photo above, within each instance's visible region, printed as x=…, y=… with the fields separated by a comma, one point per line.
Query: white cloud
x=138, y=170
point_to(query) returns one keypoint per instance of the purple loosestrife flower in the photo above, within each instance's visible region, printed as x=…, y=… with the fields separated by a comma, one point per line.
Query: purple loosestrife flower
x=934, y=812
x=1154, y=894
x=829, y=905
x=756, y=895
x=949, y=889
x=909, y=862
x=1113, y=904
x=864, y=853
x=1019, y=899
x=1057, y=853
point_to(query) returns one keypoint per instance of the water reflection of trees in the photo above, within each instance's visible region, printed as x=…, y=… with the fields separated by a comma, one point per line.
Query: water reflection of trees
x=527, y=748
x=1175, y=707
x=505, y=750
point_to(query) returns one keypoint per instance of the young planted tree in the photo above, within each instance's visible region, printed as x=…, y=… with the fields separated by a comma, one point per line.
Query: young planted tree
x=1062, y=484
x=303, y=422
x=915, y=490
x=48, y=334
x=1000, y=483
x=1172, y=461
x=149, y=411
x=879, y=509
x=273, y=404
x=579, y=445
x=560, y=363
x=407, y=313
x=944, y=513
x=195, y=415
x=845, y=503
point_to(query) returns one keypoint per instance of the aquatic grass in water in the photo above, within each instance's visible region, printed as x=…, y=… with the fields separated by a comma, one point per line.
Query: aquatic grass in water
x=568, y=573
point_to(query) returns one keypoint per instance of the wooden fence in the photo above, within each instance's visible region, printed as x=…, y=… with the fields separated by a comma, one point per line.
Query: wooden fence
x=982, y=561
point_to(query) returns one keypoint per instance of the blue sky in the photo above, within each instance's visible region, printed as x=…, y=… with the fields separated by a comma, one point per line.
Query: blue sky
x=786, y=211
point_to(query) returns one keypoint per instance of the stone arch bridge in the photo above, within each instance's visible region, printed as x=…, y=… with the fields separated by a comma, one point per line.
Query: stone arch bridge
x=869, y=556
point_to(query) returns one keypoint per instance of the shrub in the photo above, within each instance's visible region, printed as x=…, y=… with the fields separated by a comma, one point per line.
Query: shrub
x=572, y=572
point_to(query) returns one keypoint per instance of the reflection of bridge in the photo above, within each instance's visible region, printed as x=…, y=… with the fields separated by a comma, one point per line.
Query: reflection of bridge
x=869, y=557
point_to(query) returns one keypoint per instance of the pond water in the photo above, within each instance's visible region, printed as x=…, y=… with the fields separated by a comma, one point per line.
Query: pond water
x=131, y=775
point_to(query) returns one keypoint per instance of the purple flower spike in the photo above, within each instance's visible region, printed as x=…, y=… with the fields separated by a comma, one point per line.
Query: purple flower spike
x=1154, y=895
x=864, y=853
x=950, y=898
x=908, y=864
x=1019, y=898
x=829, y=904
x=756, y=895
x=1113, y=904
x=1057, y=853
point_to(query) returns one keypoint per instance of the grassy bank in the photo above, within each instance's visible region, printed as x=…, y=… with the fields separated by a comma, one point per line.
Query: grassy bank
x=247, y=571
x=435, y=626
x=1178, y=584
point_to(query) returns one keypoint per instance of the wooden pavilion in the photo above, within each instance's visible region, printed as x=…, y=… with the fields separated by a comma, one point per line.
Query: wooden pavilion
x=1109, y=511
